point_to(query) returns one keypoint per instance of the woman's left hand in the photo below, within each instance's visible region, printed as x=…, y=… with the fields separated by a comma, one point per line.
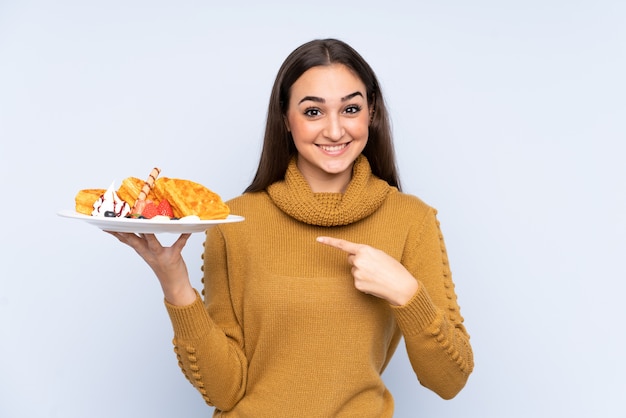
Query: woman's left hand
x=375, y=272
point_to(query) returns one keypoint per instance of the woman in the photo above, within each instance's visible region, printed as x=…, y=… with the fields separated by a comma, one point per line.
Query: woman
x=306, y=300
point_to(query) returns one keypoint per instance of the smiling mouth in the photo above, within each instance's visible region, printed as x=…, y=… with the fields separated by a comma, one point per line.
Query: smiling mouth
x=333, y=148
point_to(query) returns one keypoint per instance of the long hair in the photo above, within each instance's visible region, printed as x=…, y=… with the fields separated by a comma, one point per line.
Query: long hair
x=278, y=145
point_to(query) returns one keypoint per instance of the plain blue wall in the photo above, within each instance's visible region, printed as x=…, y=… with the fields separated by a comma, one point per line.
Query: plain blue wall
x=509, y=118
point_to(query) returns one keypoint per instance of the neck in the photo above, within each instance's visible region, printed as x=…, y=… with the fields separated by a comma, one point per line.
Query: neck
x=331, y=183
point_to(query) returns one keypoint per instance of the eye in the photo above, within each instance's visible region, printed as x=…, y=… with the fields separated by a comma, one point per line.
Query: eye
x=312, y=112
x=352, y=109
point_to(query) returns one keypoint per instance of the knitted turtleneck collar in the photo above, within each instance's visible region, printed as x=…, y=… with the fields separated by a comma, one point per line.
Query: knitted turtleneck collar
x=365, y=194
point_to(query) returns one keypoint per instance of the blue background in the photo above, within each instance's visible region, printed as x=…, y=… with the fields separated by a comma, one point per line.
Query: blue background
x=509, y=118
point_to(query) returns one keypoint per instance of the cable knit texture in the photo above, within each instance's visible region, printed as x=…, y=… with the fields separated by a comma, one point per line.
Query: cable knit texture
x=363, y=196
x=282, y=332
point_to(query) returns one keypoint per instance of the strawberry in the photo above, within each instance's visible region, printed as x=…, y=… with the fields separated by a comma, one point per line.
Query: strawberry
x=165, y=209
x=150, y=210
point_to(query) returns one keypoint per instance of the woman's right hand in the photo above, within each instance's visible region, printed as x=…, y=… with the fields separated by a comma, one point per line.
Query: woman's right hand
x=166, y=262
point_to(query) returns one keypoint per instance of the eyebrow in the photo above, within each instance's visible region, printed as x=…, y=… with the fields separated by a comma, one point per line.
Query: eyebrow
x=321, y=100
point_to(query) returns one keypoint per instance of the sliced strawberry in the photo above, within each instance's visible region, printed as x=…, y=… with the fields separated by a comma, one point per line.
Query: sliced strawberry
x=164, y=208
x=150, y=210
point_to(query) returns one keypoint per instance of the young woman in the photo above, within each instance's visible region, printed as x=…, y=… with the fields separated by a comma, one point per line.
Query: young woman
x=306, y=300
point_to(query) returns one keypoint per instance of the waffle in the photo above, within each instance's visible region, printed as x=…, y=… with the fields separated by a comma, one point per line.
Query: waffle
x=86, y=198
x=189, y=198
x=131, y=188
x=186, y=197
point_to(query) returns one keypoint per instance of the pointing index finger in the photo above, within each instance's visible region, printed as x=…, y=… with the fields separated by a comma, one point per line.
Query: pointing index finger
x=341, y=244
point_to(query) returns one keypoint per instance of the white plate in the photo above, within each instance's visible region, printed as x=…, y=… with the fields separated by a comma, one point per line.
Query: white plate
x=149, y=226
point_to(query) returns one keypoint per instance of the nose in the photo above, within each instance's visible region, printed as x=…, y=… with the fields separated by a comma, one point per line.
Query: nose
x=334, y=129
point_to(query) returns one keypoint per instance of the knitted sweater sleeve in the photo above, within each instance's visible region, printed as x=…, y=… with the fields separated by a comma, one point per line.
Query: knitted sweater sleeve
x=207, y=339
x=436, y=340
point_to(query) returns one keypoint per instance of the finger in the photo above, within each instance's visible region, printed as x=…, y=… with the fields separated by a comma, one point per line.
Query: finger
x=341, y=244
x=180, y=242
x=152, y=241
x=126, y=238
x=117, y=235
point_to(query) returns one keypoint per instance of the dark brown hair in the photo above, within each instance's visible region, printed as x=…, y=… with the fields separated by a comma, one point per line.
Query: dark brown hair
x=278, y=145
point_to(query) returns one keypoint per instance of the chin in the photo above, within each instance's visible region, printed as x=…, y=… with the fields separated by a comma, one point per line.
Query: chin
x=338, y=167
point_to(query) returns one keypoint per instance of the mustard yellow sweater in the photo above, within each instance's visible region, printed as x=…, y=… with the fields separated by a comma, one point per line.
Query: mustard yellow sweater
x=283, y=332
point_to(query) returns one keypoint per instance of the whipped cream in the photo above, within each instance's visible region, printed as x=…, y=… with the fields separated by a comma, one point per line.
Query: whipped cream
x=110, y=202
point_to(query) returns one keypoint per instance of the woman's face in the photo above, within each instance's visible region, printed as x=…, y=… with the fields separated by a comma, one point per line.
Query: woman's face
x=328, y=117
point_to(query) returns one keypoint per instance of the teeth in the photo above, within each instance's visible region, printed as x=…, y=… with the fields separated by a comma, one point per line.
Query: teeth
x=332, y=148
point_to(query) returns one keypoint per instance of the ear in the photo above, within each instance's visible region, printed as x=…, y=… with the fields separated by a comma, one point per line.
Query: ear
x=372, y=106
x=286, y=121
